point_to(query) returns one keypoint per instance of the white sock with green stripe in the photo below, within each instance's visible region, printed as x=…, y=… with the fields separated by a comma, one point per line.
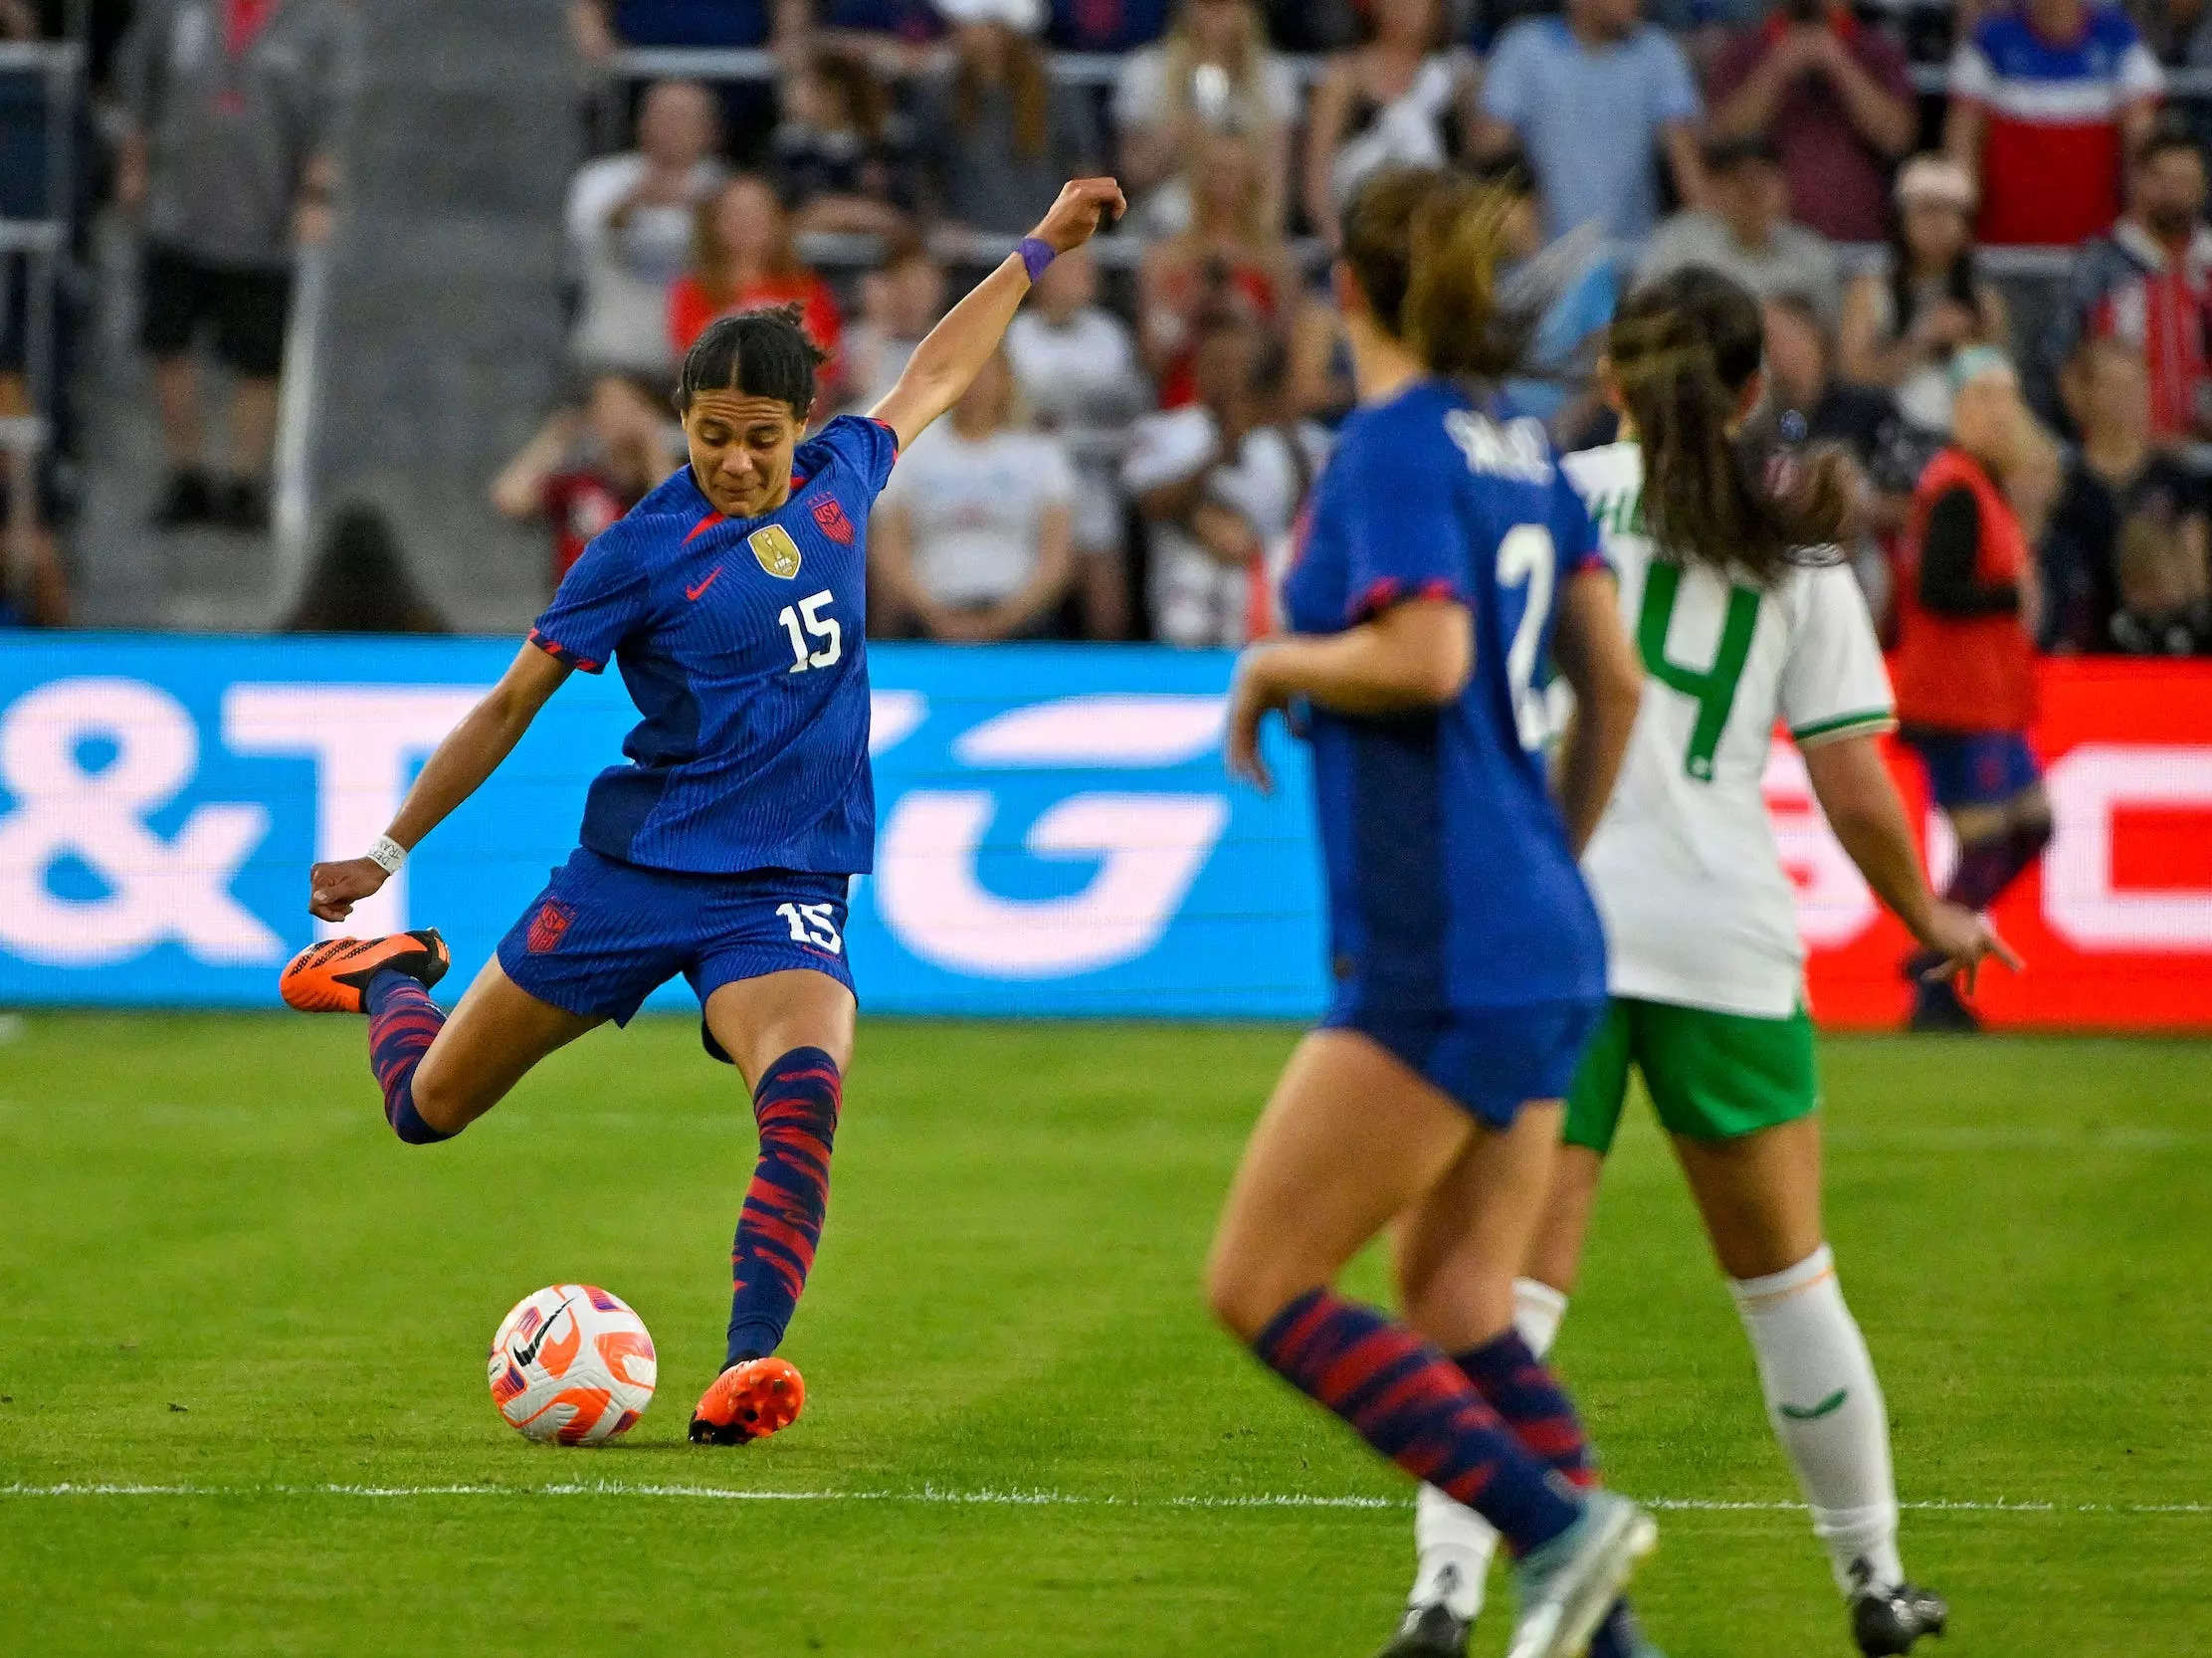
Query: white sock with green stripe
x=1455, y=1543
x=1827, y=1412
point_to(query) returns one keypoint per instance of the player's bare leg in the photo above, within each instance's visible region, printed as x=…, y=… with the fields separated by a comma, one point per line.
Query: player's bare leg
x=1453, y=1262
x=791, y=1035
x=1760, y=1199
x=1351, y=1142
x=438, y=1073
x=489, y=1043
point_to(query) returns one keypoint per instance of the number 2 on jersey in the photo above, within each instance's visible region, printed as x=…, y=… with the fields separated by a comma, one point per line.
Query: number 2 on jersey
x=1713, y=687
x=1526, y=556
x=818, y=626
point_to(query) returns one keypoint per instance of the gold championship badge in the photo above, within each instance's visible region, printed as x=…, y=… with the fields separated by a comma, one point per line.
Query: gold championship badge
x=778, y=553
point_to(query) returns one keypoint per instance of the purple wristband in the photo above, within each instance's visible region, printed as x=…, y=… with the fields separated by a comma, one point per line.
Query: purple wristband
x=1037, y=253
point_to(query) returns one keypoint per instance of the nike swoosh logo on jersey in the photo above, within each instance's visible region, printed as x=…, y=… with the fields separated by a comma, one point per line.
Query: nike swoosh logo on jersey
x=692, y=593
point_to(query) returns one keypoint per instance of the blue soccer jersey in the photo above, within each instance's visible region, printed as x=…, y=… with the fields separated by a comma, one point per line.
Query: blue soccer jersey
x=1450, y=882
x=743, y=644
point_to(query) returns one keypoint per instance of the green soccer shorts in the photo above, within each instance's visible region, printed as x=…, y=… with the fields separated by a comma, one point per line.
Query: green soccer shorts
x=1711, y=1076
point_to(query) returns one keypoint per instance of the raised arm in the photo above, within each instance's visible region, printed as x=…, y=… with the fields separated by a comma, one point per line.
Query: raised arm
x=471, y=753
x=1854, y=789
x=956, y=348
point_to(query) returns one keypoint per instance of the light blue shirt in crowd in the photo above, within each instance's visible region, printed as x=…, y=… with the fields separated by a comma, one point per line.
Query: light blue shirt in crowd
x=1590, y=119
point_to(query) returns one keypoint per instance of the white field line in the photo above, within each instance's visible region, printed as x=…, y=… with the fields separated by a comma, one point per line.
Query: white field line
x=1009, y=1499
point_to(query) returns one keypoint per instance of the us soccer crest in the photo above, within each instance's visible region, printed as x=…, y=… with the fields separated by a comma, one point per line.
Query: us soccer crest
x=778, y=553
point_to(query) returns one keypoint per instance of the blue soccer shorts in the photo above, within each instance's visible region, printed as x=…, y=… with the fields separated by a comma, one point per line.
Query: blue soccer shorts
x=603, y=934
x=1972, y=768
x=1491, y=1061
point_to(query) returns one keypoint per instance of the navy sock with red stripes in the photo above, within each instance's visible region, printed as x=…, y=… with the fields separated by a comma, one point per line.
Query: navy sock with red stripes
x=796, y=1106
x=1527, y=1394
x=403, y=1022
x=1419, y=1410
x=1523, y=1389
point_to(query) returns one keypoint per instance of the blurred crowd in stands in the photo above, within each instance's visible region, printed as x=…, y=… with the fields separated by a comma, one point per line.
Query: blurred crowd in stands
x=1910, y=186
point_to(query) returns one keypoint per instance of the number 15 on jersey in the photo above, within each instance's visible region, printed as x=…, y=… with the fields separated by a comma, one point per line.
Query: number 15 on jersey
x=815, y=639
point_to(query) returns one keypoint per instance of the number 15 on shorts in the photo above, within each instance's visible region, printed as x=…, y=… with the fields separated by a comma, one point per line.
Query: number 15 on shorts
x=811, y=924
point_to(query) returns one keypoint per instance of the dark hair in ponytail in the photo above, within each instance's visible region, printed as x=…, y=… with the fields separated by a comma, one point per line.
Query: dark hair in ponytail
x=758, y=353
x=1682, y=348
x=1425, y=245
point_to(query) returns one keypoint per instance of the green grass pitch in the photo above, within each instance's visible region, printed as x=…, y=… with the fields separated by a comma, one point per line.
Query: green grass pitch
x=220, y=1277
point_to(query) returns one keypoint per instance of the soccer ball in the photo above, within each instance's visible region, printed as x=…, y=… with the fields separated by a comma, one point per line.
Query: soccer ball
x=571, y=1363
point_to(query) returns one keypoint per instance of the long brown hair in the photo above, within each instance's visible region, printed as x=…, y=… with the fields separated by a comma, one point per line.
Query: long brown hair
x=1027, y=82
x=716, y=268
x=1681, y=349
x=1425, y=246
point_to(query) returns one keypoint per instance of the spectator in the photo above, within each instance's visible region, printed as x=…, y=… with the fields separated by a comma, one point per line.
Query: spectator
x=230, y=113
x=2146, y=282
x=1219, y=483
x=2179, y=32
x=1964, y=664
x=1806, y=405
x=1214, y=70
x=900, y=302
x=743, y=258
x=2121, y=492
x=1093, y=25
x=360, y=583
x=972, y=539
x=1076, y=368
x=1228, y=259
x=895, y=38
x=1834, y=98
x=1394, y=100
x=587, y=467
x=1742, y=231
x=2165, y=599
x=600, y=27
x=842, y=157
x=1593, y=97
x=1902, y=324
x=1001, y=144
x=630, y=231
x=2046, y=99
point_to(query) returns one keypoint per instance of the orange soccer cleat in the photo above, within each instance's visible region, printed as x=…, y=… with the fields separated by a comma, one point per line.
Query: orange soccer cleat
x=749, y=1400
x=332, y=978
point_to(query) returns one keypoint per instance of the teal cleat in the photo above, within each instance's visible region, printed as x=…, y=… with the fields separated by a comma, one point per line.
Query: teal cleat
x=1567, y=1587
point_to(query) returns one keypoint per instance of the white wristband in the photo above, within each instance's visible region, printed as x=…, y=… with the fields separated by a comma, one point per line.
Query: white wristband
x=387, y=854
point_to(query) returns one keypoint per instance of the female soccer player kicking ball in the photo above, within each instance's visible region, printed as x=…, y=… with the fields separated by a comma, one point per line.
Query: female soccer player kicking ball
x=1746, y=614
x=732, y=599
x=1470, y=966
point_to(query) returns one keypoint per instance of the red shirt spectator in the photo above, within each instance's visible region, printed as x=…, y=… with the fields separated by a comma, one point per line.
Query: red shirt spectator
x=587, y=467
x=1230, y=261
x=743, y=257
x=2146, y=282
x=1836, y=102
x=2046, y=99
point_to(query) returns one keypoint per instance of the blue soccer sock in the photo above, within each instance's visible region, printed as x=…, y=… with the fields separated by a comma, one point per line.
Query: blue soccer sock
x=403, y=1022
x=796, y=1106
x=1526, y=1393
x=1417, y=1408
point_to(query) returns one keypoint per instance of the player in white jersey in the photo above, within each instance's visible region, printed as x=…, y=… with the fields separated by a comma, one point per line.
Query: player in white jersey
x=1744, y=617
